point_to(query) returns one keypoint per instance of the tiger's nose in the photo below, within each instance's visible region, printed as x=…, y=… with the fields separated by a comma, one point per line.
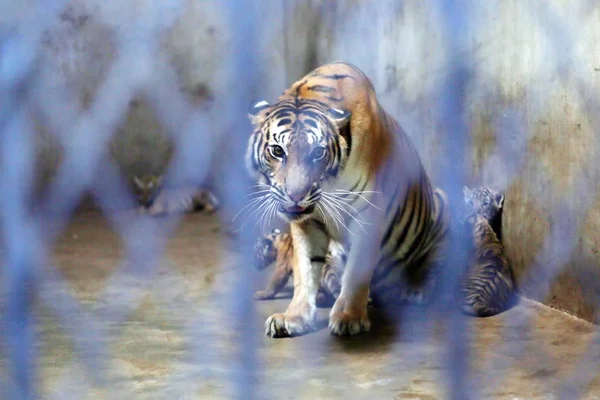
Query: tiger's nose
x=297, y=195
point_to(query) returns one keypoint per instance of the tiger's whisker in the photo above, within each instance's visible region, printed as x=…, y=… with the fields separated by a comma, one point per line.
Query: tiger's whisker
x=273, y=212
x=359, y=222
x=257, y=192
x=353, y=216
x=264, y=216
x=358, y=191
x=252, y=202
x=325, y=219
x=260, y=207
x=261, y=217
x=261, y=204
x=328, y=216
x=334, y=213
x=338, y=202
x=360, y=194
x=340, y=219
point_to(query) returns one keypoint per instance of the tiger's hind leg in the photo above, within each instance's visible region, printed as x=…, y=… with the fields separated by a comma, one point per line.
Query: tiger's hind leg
x=422, y=275
x=419, y=294
x=419, y=283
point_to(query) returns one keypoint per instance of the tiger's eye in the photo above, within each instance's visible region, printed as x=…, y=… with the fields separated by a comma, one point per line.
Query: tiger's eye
x=277, y=151
x=318, y=153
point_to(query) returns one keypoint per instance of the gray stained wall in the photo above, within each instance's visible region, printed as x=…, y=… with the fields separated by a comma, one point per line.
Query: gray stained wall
x=530, y=103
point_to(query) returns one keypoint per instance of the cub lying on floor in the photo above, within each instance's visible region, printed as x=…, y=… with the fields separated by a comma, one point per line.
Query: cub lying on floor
x=489, y=286
x=155, y=200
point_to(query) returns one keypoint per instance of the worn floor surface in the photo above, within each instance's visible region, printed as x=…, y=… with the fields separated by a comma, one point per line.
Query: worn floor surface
x=171, y=335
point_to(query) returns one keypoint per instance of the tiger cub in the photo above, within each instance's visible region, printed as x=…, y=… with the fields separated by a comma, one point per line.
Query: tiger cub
x=277, y=247
x=489, y=287
x=155, y=200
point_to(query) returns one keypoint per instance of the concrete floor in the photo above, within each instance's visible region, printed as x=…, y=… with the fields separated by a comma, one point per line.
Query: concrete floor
x=177, y=343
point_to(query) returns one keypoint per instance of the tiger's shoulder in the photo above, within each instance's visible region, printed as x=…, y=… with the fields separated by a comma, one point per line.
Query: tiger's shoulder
x=329, y=79
x=371, y=131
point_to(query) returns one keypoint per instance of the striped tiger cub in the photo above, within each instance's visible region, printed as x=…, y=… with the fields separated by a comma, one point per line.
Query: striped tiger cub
x=489, y=287
x=155, y=200
x=277, y=247
x=337, y=167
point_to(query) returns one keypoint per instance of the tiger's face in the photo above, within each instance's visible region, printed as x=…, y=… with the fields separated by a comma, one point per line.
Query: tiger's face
x=146, y=189
x=296, y=147
x=483, y=201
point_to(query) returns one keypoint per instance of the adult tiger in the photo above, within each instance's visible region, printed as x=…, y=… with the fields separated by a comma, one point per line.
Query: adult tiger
x=338, y=167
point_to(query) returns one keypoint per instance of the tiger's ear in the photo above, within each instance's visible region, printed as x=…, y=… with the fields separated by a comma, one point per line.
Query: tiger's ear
x=257, y=112
x=138, y=182
x=499, y=199
x=466, y=191
x=340, y=117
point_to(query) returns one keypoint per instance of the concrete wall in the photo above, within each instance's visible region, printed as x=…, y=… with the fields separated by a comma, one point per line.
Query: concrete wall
x=530, y=103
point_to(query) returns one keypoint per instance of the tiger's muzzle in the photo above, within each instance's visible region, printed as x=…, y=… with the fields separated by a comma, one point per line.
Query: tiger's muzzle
x=296, y=212
x=300, y=204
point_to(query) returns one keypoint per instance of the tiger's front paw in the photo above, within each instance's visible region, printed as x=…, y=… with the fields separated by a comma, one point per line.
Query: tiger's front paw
x=348, y=321
x=348, y=324
x=284, y=325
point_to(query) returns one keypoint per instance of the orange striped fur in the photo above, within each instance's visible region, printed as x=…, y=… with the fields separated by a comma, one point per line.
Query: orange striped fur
x=341, y=170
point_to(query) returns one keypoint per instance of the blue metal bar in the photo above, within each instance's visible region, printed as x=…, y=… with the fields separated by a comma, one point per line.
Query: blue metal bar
x=18, y=233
